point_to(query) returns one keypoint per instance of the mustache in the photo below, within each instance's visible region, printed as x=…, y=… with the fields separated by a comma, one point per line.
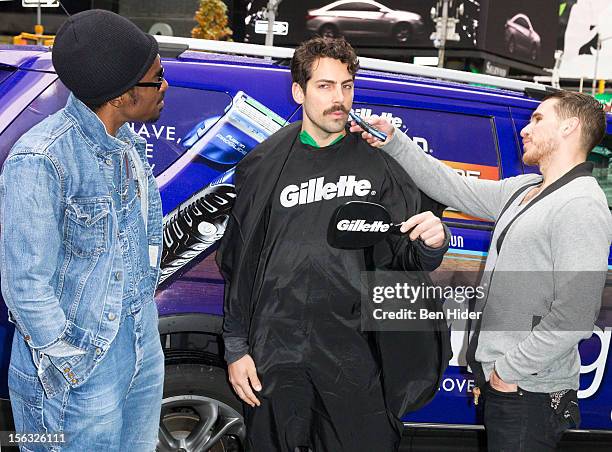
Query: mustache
x=334, y=109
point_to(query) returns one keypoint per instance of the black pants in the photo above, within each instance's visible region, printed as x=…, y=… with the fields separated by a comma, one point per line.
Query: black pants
x=524, y=421
x=303, y=410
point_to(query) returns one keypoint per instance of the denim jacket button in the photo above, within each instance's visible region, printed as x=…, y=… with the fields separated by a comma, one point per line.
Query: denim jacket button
x=74, y=381
x=118, y=276
x=27, y=338
x=98, y=351
x=66, y=370
x=111, y=316
x=109, y=162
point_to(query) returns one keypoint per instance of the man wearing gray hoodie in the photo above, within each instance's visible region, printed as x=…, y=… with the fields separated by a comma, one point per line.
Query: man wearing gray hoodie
x=545, y=270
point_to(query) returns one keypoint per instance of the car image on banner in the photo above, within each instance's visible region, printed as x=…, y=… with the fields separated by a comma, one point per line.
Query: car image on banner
x=363, y=19
x=521, y=38
x=522, y=31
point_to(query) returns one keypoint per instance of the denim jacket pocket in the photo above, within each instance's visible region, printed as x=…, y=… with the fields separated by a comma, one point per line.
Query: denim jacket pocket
x=86, y=225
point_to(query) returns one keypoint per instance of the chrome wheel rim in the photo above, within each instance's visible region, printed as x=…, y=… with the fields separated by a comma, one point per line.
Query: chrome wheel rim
x=328, y=32
x=402, y=34
x=191, y=423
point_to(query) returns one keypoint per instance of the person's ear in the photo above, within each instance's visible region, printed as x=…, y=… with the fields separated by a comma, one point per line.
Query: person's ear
x=569, y=126
x=118, y=101
x=298, y=93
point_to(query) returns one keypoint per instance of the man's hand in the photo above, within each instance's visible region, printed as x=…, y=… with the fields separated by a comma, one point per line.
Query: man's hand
x=378, y=123
x=243, y=376
x=426, y=226
x=500, y=385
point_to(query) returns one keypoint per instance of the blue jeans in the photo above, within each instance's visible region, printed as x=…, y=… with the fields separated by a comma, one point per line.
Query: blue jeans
x=117, y=408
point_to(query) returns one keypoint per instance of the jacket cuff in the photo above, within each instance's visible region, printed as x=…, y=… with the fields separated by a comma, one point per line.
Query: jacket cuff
x=436, y=252
x=34, y=325
x=235, y=348
x=72, y=341
x=62, y=349
x=430, y=258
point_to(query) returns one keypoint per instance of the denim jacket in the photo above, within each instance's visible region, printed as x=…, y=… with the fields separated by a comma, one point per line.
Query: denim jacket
x=63, y=271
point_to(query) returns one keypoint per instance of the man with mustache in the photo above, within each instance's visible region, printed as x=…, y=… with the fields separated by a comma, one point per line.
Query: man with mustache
x=310, y=378
x=546, y=268
x=81, y=240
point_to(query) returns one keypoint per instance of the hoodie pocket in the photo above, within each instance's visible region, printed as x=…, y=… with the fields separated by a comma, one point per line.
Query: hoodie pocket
x=86, y=225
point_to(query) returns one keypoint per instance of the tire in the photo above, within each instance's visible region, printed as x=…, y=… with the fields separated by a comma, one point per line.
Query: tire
x=194, y=393
x=511, y=46
x=161, y=29
x=401, y=33
x=328, y=31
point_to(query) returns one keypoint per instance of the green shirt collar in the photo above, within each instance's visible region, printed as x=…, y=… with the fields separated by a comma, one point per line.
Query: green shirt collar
x=306, y=138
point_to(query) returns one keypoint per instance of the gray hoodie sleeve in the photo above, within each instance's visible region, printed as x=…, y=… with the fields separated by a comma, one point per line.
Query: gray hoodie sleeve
x=477, y=197
x=581, y=232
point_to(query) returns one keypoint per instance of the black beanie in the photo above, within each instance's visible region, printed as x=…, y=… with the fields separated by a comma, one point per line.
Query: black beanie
x=100, y=55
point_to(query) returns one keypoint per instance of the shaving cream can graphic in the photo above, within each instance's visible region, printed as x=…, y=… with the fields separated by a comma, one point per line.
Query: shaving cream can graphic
x=199, y=222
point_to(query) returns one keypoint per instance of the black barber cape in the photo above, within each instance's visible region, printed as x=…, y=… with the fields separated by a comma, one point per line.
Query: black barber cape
x=275, y=259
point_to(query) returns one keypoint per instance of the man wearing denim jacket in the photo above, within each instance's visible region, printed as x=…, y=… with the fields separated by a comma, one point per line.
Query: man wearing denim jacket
x=81, y=239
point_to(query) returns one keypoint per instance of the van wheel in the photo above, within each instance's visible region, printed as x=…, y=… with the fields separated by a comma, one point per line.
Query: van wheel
x=328, y=31
x=199, y=411
x=511, y=46
x=401, y=33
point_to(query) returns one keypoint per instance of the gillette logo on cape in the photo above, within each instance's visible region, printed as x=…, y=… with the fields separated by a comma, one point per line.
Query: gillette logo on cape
x=362, y=226
x=315, y=190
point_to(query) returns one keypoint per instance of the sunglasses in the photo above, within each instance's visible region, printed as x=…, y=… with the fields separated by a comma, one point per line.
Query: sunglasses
x=157, y=85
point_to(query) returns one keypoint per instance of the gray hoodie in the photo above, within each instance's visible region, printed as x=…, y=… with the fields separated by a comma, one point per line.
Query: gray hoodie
x=545, y=286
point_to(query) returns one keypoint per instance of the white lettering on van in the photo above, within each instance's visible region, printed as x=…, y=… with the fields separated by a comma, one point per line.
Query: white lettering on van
x=365, y=113
x=468, y=173
x=154, y=132
x=456, y=241
x=457, y=384
x=423, y=144
x=599, y=365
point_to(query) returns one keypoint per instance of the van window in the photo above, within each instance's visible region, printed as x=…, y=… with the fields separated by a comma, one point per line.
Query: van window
x=601, y=156
x=187, y=114
x=4, y=74
x=48, y=102
x=464, y=142
x=454, y=138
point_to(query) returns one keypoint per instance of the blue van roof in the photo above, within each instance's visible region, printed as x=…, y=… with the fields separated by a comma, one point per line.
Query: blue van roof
x=461, y=90
x=39, y=58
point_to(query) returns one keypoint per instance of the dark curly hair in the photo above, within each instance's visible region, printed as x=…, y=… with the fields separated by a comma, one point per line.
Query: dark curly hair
x=310, y=51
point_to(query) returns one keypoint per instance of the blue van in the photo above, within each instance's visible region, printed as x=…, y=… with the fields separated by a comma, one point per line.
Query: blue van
x=220, y=105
